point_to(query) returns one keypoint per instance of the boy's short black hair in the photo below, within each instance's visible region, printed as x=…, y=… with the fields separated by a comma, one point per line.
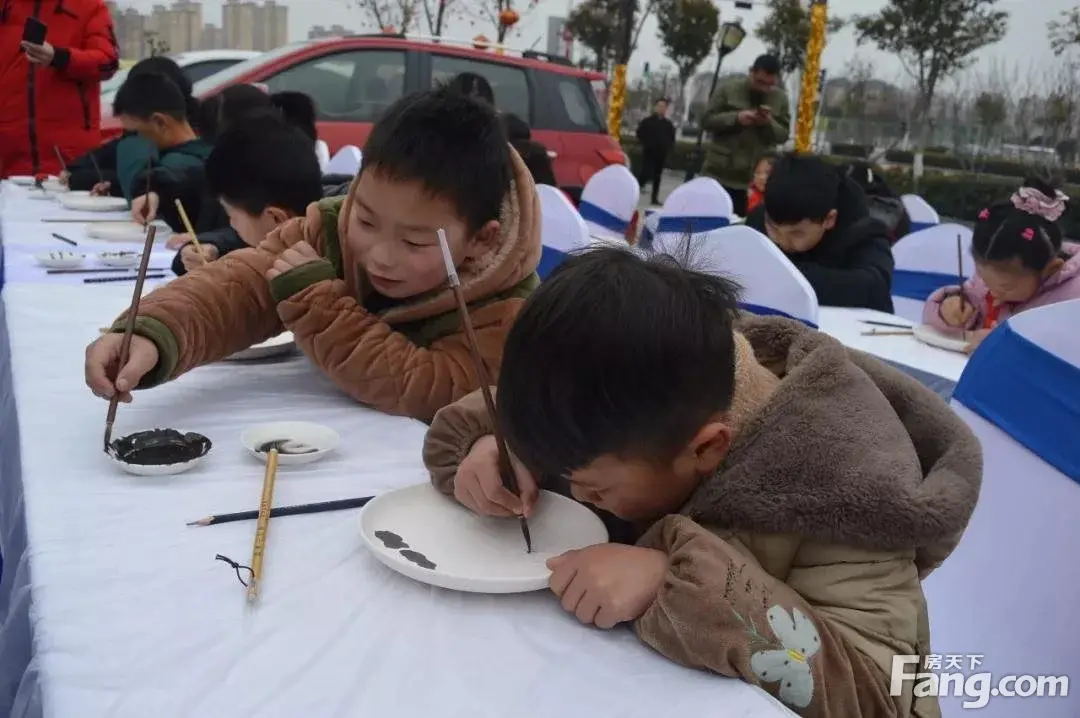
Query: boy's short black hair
x=144, y=95
x=800, y=188
x=471, y=84
x=616, y=354
x=536, y=159
x=769, y=64
x=219, y=112
x=451, y=143
x=263, y=162
x=298, y=109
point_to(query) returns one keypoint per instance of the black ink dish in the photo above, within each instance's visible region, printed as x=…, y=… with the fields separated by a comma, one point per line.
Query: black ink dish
x=160, y=447
x=286, y=446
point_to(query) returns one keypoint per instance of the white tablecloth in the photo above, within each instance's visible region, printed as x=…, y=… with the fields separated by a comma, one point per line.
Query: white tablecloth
x=132, y=617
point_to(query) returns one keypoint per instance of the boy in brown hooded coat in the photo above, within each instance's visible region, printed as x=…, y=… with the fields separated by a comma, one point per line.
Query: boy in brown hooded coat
x=787, y=496
x=360, y=281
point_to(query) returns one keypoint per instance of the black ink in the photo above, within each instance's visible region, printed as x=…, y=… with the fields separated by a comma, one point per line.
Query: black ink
x=391, y=540
x=286, y=446
x=159, y=447
x=419, y=559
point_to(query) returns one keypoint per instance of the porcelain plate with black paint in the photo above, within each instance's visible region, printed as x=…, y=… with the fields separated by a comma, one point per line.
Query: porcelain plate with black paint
x=297, y=442
x=159, y=452
x=433, y=539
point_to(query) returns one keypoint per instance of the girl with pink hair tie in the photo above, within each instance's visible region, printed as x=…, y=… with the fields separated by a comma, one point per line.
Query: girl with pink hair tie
x=1021, y=262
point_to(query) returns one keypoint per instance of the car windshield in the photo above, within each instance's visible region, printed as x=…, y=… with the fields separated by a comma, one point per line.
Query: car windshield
x=208, y=85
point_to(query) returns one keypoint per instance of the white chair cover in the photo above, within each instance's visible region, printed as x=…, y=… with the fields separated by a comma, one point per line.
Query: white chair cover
x=609, y=202
x=1008, y=592
x=322, y=151
x=921, y=214
x=347, y=161
x=696, y=207
x=562, y=229
x=771, y=284
x=925, y=262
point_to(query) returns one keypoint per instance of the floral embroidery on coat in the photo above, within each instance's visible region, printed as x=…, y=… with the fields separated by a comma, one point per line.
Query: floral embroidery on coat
x=790, y=664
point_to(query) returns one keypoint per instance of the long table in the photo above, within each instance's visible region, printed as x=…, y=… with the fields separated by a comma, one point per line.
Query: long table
x=112, y=606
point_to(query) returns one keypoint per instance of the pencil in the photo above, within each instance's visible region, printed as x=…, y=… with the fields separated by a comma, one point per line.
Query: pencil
x=506, y=468
x=104, y=270
x=885, y=324
x=62, y=238
x=129, y=330
x=264, y=523
x=187, y=225
x=879, y=333
x=300, y=509
x=125, y=278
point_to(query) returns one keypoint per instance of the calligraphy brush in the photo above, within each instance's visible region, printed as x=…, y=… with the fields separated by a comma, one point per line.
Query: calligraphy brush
x=59, y=156
x=129, y=330
x=299, y=509
x=97, y=168
x=264, y=523
x=187, y=225
x=506, y=468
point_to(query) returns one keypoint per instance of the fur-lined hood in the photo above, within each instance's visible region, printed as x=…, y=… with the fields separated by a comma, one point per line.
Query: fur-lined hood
x=846, y=451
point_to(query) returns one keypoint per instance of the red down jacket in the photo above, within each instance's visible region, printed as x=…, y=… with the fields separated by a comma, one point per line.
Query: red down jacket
x=59, y=105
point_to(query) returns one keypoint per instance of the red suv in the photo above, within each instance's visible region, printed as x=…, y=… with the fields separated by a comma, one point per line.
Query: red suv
x=354, y=79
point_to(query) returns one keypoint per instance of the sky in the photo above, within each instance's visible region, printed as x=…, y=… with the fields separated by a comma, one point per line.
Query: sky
x=1025, y=43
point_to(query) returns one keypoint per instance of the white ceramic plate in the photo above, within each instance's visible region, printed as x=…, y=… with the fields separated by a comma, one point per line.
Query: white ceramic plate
x=55, y=186
x=117, y=231
x=21, y=180
x=300, y=437
x=469, y=552
x=40, y=194
x=931, y=336
x=157, y=469
x=60, y=260
x=280, y=345
x=86, y=203
x=119, y=259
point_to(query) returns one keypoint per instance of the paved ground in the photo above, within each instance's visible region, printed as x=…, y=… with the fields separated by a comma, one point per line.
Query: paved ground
x=671, y=181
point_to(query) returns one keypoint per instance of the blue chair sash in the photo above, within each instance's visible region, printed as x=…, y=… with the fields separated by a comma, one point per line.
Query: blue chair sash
x=602, y=218
x=919, y=226
x=770, y=312
x=910, y=284
x=549, y=259
x=690, y=225
x=1027, y=392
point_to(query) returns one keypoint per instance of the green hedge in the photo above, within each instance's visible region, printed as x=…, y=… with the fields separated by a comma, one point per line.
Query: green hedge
x=938, y=158
x=957, y=195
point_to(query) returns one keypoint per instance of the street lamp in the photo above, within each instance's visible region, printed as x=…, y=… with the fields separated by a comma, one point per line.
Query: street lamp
x=731, y=36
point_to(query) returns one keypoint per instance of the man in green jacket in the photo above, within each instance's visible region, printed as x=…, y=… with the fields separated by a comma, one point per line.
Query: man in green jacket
x=747, y=116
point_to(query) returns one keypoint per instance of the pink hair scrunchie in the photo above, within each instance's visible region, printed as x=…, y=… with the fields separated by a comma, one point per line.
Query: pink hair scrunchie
x=1032, y=201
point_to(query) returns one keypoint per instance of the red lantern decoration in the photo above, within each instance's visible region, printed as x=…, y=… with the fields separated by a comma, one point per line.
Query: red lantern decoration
x=509, y=17
x=480, y=42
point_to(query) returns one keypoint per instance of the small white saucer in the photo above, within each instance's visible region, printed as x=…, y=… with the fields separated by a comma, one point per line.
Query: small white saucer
x=932, y=337
x=280, y=345
x=308, y=440
x=119, y=259
x=158, y=469
x=60, y=260
x=40, y=194
x=55, y=186
x=21, y=180
x=454, y=548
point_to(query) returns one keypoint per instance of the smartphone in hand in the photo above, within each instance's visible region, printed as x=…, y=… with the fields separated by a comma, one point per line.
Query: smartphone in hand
x=34, y=31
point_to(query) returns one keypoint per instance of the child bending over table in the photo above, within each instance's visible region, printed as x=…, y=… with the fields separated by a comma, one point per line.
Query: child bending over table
x=1021, y=262
x=263, y=173
x=789, y=495
x=360, y=280
x=155, y=108
x=821, y=221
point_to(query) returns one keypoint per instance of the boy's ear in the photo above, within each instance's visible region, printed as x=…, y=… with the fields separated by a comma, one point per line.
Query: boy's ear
x=483, y=241
x=710, y=445
x=830, y=220
x=278, y=215
x=159, y=120
x=1055, y=264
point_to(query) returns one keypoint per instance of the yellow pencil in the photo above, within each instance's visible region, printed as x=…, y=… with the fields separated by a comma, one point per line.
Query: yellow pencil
x=187, y=224
x=265, y=504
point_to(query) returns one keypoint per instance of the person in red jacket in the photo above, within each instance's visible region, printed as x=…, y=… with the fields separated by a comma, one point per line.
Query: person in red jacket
x=50, y=93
